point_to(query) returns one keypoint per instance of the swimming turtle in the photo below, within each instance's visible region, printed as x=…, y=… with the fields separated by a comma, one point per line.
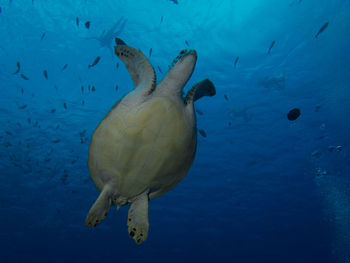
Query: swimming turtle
x=147, y=142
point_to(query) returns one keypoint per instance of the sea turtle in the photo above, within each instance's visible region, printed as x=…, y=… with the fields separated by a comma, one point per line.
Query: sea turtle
x=147, y=142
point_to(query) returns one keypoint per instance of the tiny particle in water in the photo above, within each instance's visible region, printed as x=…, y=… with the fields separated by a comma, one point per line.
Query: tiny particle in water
x=226, y=97
x=293, y=114
x=53, y=110
x=202, y=132
x=87, y=24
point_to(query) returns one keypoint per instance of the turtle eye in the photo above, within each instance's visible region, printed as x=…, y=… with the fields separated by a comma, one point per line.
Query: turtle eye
x=183, y=51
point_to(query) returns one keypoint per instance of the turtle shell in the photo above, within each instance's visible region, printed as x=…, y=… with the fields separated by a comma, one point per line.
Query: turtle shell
x=139, y=147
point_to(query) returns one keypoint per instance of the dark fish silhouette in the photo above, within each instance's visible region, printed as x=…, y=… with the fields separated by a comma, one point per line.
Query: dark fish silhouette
x=24, y=77
x=271, y=46
x=22, y=107
x=82, y=89
x=42, y=36
x=93, y=89
x=53, y=110
x=65, y=105
x=18, y=67
x=45, y=73
x=293, y=114
x=22, y=90
x=29, y=120
x=87, y=24
x=116, y=87
x=161, y=19
x=186, y=42
x=97, y=59
x=236, y=60
x=56, y=141
x=325, y=25
x=0, y=10
x=64, y=67
x=226, y=97
x=119, y=41
x=174, y=1
x=117, y=65
x=202, y=132
x=77, y=21
x=89, y=87
x=150, y=52
x=160, y=70
x=199, y=112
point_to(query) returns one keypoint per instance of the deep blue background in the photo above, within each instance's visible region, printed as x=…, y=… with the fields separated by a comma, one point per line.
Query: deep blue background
x=252, y=194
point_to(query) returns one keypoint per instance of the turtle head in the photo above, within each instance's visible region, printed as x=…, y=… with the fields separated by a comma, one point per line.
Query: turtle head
x=182, y=67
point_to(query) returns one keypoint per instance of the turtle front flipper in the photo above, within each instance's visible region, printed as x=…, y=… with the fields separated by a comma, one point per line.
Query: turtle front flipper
x=138, y=218
x=203, y=88
x=100, y=208
x=140, y=69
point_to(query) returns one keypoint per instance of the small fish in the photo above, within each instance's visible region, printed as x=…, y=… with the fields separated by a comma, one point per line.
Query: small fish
x=82, y=89
x=81, y=140
x=117, y=65
x=56, y=141
x=83, y=102
x=161, y=19
x=8, y=132
x=24, y=77
x=236, y=60
x=22, y=107
x=203, y=133
x=174, y=1
x=150, y=52
x=64, y=67
x=57, y=126
x=29, y=120
x=0, y=10
x=119, y=41
x=89, y=87
x=186, y=42
x=93, y=89
x=18, y=67
x=226, y=97
x=160, y=70
x=82, y=133
x=116, y=87
x=271, y=46
x=45, y=73
x=199, y=112
x=325, y=25
x=65, y=105
x=53, y=110
x=42, y=36
x=77, y=21
x=97, y=59
x=293, y=114
x=55, y=87
x=87, y=24
x=22, y=90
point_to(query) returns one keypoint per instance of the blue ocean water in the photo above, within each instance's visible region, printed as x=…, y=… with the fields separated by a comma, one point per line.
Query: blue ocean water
x=262, y=188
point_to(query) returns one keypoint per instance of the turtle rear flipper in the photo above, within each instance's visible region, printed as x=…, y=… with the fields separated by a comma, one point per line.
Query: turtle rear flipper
x=138, y=218
x=202, y=88
x=140, y=69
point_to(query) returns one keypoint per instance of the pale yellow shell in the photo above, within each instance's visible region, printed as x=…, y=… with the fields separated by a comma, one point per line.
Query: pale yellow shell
x=147, y=146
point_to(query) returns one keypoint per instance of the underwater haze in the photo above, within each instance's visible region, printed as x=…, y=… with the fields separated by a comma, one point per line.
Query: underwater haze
x=266, y=185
